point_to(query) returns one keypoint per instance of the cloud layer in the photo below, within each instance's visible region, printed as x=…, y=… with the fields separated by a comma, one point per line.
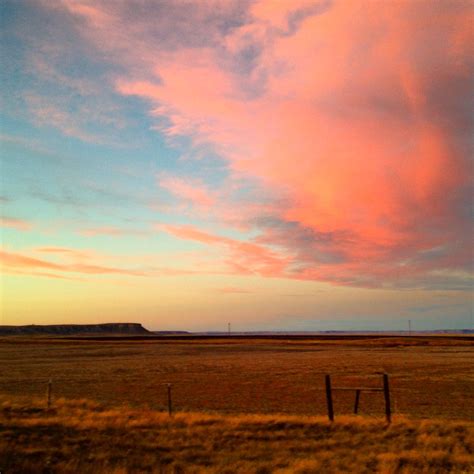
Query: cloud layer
x=355, y=118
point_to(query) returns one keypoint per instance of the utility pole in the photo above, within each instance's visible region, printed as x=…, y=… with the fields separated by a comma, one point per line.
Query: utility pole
x=409, y=327
x=228, y=329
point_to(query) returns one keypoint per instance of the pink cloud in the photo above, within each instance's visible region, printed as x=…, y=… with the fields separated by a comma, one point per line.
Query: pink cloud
x=354, y=112
x=191, y=233
x=190, y=191
x=241, y=257
x=90, y=11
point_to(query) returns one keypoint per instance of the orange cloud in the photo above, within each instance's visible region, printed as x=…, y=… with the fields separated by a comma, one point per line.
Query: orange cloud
x=64, y=251
x=229, y=290
x=18, y=224
x=72, y=261
x=354, y=113
x=242, y=257
x=110, y=231
x=10, y=260
x=15, y=262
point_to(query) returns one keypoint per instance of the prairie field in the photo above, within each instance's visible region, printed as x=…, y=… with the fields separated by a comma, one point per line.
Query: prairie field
x=430, y=377
x=83, y=437
x=243, y=405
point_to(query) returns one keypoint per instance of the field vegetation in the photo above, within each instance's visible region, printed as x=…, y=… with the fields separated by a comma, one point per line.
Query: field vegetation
x=241, y=405
x=430, y=377
x=83, y=436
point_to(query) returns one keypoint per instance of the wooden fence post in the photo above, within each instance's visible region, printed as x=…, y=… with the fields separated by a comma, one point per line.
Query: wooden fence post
x=170, y=405
x=386, y=392
x=50, y=389
x=329, y=398
x=356, y=403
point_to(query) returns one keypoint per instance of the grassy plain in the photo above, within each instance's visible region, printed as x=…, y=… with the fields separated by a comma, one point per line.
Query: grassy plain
x=243, y=405
x=431, y=377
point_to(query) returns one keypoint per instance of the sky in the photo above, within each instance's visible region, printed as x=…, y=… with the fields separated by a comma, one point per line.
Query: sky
x=280, y=165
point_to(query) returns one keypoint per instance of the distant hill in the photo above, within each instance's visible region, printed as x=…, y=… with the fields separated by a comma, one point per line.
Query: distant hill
x=75, y=329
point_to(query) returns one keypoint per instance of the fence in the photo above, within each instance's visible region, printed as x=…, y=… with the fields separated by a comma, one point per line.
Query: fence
x=358, y=390
x=385, y=389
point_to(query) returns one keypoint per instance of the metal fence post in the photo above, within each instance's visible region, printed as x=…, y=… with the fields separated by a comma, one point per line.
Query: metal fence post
x=329, y=398
x=356, y=403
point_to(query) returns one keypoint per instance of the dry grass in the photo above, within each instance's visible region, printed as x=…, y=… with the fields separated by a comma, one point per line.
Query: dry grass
x=82, y=436
x=431, y=377
x=123, y=431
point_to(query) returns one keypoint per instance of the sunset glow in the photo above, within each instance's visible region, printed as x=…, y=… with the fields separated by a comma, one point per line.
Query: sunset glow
x=284, y=165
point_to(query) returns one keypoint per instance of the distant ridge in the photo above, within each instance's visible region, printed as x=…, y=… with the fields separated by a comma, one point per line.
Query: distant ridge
x=75, y=329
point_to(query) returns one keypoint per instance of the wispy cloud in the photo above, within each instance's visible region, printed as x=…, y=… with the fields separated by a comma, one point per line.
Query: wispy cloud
x=18, y=261
x=111, y=231
x=44, y=111
x=14, y=223
x=230, y=290
x=77, y=264
x=241, y=257
x=66, y=252
x=190, y=191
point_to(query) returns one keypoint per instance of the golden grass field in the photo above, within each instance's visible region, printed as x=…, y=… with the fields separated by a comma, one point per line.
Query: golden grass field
x=243, y=405
x=83, y=437
x=429, y=377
